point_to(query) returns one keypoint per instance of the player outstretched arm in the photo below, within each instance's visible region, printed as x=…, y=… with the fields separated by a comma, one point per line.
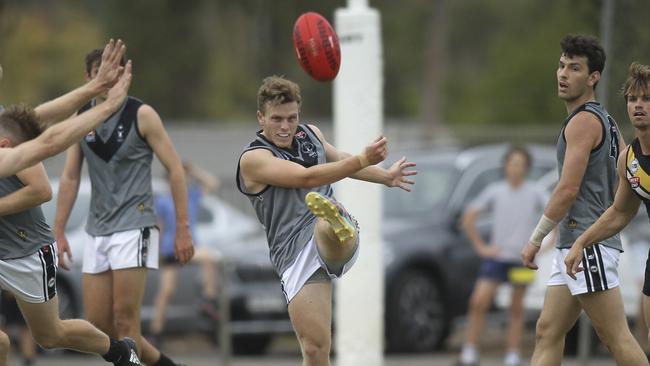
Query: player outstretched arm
x=152, y=129
x=58, y=137
x=583, y=133
x=36, y=190
x=261, y=167
x=395, y=176
x=66, y=105
x=614, y=219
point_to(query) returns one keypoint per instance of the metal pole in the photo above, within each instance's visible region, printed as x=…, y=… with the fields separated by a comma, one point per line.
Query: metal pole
x=225, y=340
x=606, y=28
x=358, y=4
x=358, y=119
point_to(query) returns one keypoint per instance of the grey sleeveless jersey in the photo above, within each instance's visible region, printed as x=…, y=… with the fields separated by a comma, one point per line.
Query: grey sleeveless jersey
x=598, y=184
x=288, y=223
x=23, y=233
x=119, y=165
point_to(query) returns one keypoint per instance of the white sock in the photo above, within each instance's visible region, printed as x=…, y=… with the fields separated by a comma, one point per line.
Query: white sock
x=512, y=359
x=469, y=354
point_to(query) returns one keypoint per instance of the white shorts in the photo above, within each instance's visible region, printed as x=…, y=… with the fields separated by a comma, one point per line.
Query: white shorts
x=121, y=250
x=600, y=274
x=307, y=262
x=31, y=278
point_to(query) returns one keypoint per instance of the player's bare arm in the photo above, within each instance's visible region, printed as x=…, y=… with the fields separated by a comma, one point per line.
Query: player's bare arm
x=64, y=106
x=68, y=189
x=58, y=137
x=260, y=168
x=395, y=176
x=614, y=219
x=152, y=129
x=36, y=190
x=582, y=134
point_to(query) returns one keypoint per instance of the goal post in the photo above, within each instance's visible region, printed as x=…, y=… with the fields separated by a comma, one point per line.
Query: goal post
x=358, y=119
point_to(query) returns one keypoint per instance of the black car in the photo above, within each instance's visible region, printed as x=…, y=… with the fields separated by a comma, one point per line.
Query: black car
x=430, y=264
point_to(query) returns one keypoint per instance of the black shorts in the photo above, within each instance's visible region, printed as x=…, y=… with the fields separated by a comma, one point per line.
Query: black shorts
x=646, y=282
x=168, y=260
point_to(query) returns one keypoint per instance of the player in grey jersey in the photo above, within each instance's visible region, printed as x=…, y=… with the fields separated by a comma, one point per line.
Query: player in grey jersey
x=588, y=148
x=28, y=253
x=315, y=240
x=633, y=186
x=58, y=136
x=122, y=240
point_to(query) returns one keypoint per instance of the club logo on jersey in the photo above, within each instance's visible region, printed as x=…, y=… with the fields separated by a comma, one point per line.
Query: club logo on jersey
x=308, y=148
x=90, y=137
x=301, y=135
x=22, y=234
x=572, y=224
x=120, y=133
x=634, y=182
x=634, y=166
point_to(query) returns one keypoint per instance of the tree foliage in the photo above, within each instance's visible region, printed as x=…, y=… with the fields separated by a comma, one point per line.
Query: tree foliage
x=203, y=59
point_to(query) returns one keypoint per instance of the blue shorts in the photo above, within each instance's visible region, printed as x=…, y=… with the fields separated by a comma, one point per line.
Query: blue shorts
x=506, y=271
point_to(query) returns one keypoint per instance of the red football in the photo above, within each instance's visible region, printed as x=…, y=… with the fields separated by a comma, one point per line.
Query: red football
x=317, y=46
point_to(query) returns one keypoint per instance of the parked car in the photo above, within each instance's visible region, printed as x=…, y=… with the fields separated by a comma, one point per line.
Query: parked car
x=257, y=306
x=431, y=266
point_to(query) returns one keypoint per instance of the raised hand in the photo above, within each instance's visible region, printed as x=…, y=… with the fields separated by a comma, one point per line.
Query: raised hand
x=110, y=69
x=118, y=92
x=398, y=173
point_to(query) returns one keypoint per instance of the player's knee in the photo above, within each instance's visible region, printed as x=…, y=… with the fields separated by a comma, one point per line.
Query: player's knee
x=614, y=338
x=546, y=329
x=125, y=319
x=314, y=349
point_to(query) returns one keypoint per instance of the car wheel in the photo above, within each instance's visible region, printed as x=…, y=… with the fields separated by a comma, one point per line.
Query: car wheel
x=250, y=344
x=417, y=320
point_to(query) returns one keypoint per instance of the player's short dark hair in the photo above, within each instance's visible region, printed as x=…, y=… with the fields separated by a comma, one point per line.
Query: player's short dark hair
x=95, y=57
x=517, y=149
x=587, y=46
x=19, y=123
x=276, y=90
x=638, y=79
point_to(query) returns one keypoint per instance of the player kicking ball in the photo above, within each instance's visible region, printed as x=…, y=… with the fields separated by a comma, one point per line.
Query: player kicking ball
x=287, y=172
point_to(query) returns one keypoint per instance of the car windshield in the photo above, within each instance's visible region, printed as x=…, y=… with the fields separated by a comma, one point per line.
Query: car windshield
x=434, y=183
